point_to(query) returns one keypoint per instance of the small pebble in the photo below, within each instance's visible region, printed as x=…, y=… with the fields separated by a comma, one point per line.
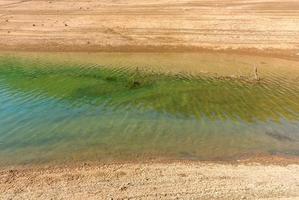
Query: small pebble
x=122, y=188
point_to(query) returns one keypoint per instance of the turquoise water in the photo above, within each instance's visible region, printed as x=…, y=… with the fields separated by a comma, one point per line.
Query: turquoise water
x=54, y=111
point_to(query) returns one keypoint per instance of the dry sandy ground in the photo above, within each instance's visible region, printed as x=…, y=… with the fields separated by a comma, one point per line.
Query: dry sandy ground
x=139, y=25
x=84, y=25
x=152, y=181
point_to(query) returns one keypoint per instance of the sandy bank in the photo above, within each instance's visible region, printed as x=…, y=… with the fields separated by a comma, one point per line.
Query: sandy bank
x=130, y=25
x=177, y=180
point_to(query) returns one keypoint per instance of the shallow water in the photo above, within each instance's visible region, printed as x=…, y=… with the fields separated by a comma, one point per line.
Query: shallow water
x=107, y=107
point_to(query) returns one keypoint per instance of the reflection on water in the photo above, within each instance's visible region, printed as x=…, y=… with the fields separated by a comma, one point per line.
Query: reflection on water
x=75, y=111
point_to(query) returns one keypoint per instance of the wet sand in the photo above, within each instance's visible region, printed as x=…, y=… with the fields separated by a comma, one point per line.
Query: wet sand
x=125, y=25
x=175, y=180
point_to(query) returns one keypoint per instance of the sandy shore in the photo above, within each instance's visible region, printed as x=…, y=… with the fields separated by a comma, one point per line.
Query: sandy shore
x=267, y=26
x=125, y=25
x=176, y=180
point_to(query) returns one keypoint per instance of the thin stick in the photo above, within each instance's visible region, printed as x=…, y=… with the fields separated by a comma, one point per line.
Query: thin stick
x=256, y=76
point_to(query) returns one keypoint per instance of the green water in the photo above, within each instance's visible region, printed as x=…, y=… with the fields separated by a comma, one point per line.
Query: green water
x=53, y=111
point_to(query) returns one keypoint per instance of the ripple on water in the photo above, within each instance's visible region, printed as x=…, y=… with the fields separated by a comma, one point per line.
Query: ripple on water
x=67, y=111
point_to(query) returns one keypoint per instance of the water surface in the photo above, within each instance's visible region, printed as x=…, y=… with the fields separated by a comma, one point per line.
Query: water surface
x=113, y=106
